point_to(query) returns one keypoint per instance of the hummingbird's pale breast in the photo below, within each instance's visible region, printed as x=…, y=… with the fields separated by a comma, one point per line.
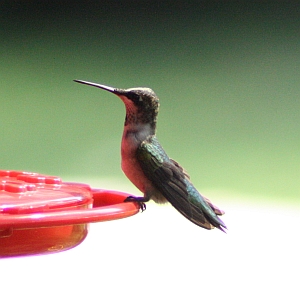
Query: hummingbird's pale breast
x=133, y=136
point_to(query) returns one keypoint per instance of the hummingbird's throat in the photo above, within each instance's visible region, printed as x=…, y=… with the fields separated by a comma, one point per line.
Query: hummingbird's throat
x=130, y=119
x=131, y=113
x=137, y=115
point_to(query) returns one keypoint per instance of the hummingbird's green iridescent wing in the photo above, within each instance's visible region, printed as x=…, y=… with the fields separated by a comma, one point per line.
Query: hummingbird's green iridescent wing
x=216, y=210
x=173, y=183
x=180, y=167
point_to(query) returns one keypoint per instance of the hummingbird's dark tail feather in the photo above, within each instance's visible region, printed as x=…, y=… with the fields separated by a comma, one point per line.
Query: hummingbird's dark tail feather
x=190, y=203
x=199, y=216
x=216, y=209
x=218, y=212
x=200, y=210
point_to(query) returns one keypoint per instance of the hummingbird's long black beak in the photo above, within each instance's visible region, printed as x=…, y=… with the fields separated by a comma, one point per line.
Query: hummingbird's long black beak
x=101, y=86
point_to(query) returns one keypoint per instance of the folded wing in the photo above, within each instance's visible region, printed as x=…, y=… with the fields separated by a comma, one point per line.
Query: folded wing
x=174, y=184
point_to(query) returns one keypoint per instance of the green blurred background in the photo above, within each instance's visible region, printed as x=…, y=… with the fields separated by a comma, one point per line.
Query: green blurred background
x=227, y=74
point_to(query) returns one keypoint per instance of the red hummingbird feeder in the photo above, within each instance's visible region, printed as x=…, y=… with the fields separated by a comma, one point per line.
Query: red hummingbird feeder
x=41, y=214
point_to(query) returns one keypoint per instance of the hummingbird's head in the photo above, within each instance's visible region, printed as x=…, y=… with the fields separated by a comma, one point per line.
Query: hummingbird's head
x=141, y=104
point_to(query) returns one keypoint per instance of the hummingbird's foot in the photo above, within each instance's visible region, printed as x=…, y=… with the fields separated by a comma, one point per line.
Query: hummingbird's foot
x=139, y=200
x=142, y=206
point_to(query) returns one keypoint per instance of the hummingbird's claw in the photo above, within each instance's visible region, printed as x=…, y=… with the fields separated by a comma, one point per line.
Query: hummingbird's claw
x=139, y=200
x=142, y=206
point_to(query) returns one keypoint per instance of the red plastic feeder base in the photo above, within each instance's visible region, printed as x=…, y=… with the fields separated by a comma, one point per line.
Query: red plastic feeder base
x=41, y=214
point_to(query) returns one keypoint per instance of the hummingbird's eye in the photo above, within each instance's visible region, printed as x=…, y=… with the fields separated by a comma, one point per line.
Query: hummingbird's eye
x=136, y=98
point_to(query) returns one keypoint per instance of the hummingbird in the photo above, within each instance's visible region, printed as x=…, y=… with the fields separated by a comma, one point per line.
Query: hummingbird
x=148, y=166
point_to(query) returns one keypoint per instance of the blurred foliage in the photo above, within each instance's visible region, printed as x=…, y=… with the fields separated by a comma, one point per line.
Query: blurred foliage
x=227, y=75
